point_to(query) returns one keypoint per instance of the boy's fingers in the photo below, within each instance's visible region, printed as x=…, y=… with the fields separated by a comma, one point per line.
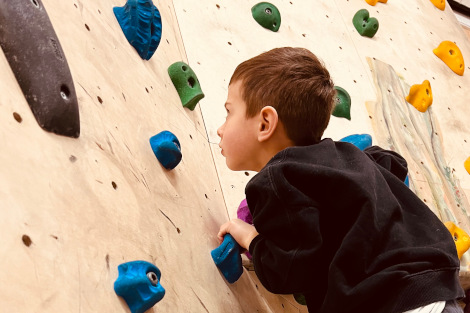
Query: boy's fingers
x=222, y=231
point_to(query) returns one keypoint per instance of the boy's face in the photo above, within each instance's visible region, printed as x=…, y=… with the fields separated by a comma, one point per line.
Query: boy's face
x=238, y=135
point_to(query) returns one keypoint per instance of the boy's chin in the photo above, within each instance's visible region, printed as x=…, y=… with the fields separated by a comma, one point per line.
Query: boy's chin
x=237, y=167
x=233, y=167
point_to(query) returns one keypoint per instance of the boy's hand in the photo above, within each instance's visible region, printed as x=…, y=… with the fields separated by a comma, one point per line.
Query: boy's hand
x=241, y=231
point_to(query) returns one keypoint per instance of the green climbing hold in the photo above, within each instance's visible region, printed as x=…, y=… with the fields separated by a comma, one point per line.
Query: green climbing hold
x=186, y=84
x=300, y=298
x=267, y=15
x=365, y=25
x=343, y=103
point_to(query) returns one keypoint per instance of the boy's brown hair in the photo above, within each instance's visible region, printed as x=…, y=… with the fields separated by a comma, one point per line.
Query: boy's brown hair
x=296, y=83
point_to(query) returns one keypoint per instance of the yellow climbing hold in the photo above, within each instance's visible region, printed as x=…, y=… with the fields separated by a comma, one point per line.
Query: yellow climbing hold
x=467, y=165
x=440, y=4
x=374, y=2
x=420, y=96
x=461, y=238
x=450, y=54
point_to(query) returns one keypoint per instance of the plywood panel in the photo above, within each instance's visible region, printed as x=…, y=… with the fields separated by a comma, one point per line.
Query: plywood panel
x=92, y=203
x=218, y=35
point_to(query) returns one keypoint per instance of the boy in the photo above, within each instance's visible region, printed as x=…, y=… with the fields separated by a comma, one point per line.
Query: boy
x=330, y=221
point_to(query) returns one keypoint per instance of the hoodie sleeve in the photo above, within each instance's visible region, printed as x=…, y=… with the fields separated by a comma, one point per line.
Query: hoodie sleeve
x=289, y=238
x=390, y=160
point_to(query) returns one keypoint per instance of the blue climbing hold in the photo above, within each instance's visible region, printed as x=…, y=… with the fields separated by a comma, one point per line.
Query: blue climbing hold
x=361, y=141
x=407, y=181
x=141, y=23
x=167, y=149
x=139, y=284
x=228, y=260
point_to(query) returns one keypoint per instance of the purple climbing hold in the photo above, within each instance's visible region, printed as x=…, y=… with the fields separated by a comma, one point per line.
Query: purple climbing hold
x=244, y=214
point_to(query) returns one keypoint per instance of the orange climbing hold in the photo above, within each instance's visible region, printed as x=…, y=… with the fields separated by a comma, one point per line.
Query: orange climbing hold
x=461, y=238
x=440, y=4
x=450, y=54
x=374, y=2
x=467, y=165
x=420, y=96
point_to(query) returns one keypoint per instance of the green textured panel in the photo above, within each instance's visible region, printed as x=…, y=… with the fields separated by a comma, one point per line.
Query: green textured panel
x=365, y=25
x=343, y=103
x=186, y=84
x=267, y=15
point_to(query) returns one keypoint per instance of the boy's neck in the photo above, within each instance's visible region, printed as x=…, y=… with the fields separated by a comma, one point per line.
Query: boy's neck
x=273, y=146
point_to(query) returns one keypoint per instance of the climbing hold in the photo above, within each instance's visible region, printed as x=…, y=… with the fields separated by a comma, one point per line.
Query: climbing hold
x=451, y=55
x=142, y=25
x=461, y=238
x=300, y=298
x=467, y=165
x=244, y=214
x=35, y=55
x=407, y=181
x=440, y=4
x=167, y=149
x=374, y=2
x=343, y=104
x=267, y=15
x=420, y=96
x=139, y=284
x=365, y=25
x=228, y=260
x=186, y=84
x=361, y=141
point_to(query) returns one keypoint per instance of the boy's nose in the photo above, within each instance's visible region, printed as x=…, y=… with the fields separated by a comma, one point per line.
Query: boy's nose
x=219, y=131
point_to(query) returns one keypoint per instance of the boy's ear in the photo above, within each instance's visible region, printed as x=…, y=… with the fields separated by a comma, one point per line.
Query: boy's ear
x=268, y=123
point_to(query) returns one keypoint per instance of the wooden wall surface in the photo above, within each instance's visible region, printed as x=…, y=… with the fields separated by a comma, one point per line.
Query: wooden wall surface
x=408, y=33
x=92, y=203
x=60, y=191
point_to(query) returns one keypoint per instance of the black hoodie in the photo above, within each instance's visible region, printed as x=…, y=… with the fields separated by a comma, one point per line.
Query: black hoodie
x=339, y=225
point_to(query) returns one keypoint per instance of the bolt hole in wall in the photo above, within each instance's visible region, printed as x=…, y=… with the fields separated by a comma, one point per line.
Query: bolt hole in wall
x=17, y=117
x=100, y=100
x=86, y=26
x=26, y=240
x=114, y=185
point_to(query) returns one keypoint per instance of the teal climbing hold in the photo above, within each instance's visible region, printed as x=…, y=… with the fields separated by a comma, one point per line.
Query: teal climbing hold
x=361, y=141
x=167, y=149
x=364, y=24
x=186, y=83
x=141, y=23
x=342, y=103
x=227, y=258
x=267, y=15
x=139, y=284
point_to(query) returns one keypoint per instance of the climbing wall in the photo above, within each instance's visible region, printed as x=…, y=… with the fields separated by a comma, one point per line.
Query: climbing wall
x=72, y=210
x=377, y=72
